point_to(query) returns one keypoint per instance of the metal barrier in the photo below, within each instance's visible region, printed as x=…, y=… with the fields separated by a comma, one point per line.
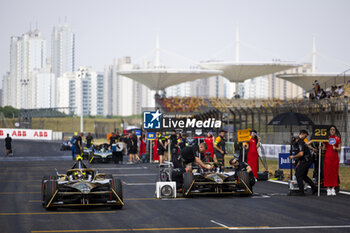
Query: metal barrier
x=323, y=112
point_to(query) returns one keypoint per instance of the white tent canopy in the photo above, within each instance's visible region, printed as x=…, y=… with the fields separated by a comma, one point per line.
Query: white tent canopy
x=159, y=79
x=241, y=71
x=306, y=81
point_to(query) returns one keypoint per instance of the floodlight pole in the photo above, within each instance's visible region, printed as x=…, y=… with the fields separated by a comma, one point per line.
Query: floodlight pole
x=151, y=151
x=237, y=44
x=313, y=70
x=319, y=171
x=82, y=102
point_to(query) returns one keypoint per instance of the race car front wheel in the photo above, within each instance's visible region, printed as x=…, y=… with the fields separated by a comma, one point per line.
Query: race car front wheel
x=50, y=188
x=188, y=180
x=244, y=177
x=43, y=182
x=116, y=185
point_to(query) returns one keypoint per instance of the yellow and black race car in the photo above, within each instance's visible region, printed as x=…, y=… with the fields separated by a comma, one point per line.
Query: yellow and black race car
x=81, y=186
x=215, y=181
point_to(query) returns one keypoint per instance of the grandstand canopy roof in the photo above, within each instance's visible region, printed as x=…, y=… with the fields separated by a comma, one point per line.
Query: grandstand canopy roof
x=325, y=80
x=241, y=71
x=159, y=79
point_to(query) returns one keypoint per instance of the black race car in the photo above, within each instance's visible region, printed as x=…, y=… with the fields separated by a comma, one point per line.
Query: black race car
x=81, y=186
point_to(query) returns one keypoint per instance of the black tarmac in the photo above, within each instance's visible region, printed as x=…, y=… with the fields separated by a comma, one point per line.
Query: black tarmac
x=268, y=210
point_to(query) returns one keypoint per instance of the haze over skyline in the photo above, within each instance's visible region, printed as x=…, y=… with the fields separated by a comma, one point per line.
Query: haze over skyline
x=193, y=29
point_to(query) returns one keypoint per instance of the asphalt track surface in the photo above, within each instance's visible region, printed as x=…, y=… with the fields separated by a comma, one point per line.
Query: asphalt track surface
x=268, y=210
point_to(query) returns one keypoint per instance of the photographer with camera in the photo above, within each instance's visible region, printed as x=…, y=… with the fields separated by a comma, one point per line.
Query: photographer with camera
x=303, y=161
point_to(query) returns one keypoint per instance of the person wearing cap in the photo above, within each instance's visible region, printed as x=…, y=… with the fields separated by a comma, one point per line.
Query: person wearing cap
x=252, y=155
x=303, y=161
x=242, y=166
x=219, y=146
x=73, y=142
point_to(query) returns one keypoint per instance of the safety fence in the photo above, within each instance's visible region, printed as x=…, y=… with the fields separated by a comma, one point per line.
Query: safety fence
x=321, y=112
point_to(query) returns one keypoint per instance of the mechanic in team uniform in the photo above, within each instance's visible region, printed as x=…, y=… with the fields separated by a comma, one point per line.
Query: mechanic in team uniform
x=161, y=147
x=182, y=141
x=242, y=166
x=79, y=144
x=73, y=142
x=173, y=140
x=182, y=161
x=303, y=161
x=219, y=146
x=89, y=140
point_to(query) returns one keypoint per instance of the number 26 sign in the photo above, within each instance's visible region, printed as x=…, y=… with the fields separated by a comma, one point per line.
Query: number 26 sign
x=320, y=133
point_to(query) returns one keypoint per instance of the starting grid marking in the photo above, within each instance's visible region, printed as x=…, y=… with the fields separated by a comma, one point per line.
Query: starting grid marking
x=221, y=227
x=286, y=183
x=257, y=228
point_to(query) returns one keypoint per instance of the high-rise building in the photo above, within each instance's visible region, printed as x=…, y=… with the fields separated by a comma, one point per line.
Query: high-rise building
x=62, y=50
x=282, y=89
x=44, y=90
x=27, y=53
x=182, y=89
x=256, y=88
x=81, y=91
x=123, y=96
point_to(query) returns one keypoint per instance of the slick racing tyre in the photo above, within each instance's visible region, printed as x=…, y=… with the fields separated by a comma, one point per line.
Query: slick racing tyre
x=116, y=185
x=43, y=182
x=188, y=180
x=244, y=177
x=50, y=188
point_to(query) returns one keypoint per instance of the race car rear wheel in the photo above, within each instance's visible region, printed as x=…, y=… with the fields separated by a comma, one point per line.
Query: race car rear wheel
x=50, y=188
x=116, y=185
x=244, y=176
x=188, y=180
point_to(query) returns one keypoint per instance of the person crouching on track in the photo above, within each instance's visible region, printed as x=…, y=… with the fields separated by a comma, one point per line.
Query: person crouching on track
x=303, y=161
x=243, y=166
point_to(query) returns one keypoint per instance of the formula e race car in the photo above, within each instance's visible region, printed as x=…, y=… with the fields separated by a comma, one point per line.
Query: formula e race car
x=88, y=152
x=214, y=181
x=81, y=186
x=101, y=153
x=201, y=182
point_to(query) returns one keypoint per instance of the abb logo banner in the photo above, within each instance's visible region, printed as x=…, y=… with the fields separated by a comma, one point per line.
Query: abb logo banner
x=31, y=134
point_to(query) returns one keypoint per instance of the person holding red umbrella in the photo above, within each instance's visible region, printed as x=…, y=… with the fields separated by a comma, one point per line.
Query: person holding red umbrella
x=331, y=161
x=253, y=156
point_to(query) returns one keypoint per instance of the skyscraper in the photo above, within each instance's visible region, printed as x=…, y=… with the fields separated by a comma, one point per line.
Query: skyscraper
x=81, y=90
x=62, y=50
x=27, y=53
x=120, y=91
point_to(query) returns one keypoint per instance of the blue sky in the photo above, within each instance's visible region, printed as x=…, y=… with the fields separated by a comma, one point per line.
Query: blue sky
x=195, y=29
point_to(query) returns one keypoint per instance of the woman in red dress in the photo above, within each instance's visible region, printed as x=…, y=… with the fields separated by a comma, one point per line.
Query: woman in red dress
x=331, y=161
x=209, y=140
x=253, y=156
x=143, y=145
